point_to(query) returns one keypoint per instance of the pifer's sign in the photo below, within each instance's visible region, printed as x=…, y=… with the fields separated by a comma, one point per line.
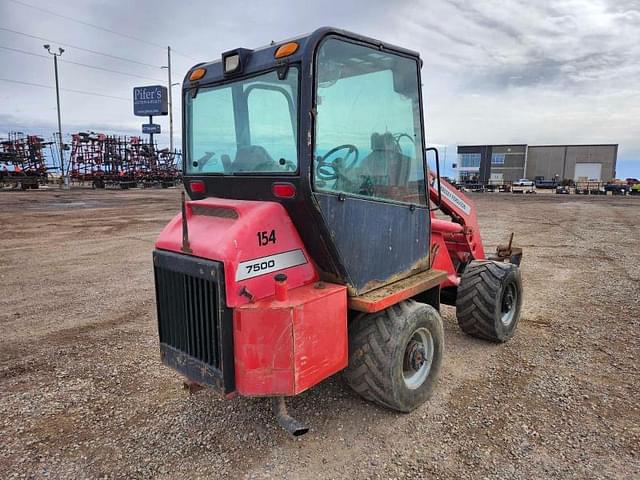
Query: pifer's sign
x=150, y=101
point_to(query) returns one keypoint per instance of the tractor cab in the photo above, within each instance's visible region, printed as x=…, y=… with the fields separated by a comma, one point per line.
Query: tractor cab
x=310, y=242
x=330, y=126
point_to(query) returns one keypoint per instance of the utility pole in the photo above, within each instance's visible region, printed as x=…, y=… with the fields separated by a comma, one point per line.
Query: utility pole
x=170, y=97
x=170, y=100
x=65, y=178
x=444, y=164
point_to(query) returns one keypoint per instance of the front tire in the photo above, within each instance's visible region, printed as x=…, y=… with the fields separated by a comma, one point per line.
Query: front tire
x=395, y=355
x=489, y=300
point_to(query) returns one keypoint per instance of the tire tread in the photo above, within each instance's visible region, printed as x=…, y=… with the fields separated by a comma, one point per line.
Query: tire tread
x=476, y=302
x=372, y=343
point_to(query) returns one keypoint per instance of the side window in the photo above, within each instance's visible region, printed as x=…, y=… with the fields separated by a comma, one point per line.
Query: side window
x=270, y=124
x=497, y=159
x=368, y=131
x=469, y=160
x=213, y=130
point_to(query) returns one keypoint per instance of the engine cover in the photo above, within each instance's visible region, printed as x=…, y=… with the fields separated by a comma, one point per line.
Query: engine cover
x=252, y=239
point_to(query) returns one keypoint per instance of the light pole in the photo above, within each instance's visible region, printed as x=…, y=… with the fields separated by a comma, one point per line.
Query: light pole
x=47, y=47
x=444, y=164
x=169, y=84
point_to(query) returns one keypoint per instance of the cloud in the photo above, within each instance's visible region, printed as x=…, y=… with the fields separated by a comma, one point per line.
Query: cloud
x=553, y=71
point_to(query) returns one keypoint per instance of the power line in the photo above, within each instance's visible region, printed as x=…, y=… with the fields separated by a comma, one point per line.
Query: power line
x=112, y=71
x=83, y=64
x=78, y=48
x=20, y=82
x=98, y=27
x=82, y=22
x=23, y=51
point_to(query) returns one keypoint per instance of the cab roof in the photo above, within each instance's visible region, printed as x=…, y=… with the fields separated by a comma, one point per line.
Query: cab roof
x=262, y=58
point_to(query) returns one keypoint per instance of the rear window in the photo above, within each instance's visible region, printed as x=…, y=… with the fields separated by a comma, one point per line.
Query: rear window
x=247, y=126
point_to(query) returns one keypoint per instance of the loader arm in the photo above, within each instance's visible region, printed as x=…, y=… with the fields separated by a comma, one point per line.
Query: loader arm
x=457, y=241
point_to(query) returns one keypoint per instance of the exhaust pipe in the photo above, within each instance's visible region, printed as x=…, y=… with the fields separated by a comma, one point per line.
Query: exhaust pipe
x=290, y=424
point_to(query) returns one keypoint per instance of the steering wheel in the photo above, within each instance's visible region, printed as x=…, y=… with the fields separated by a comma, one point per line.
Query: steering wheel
x=271, y=165
x=399, y=136
x=289, y=166
x=331, y=170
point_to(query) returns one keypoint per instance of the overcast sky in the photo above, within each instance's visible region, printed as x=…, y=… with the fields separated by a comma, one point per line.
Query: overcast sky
x=559, y=71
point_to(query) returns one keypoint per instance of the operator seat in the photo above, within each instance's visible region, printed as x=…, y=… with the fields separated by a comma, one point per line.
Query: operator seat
x=249, y=157
x=385, y=165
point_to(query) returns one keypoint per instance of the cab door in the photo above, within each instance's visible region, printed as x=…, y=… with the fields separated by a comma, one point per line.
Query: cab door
x=369, y=171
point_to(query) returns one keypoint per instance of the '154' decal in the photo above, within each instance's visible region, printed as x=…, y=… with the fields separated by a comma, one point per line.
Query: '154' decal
x=265, y=237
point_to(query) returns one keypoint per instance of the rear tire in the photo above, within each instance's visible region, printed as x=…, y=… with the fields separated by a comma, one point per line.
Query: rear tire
x=489, y=300
x=395, y=355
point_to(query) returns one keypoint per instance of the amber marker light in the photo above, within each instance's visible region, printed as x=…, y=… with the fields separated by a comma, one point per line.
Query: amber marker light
x=197, y=74
x=286, y=50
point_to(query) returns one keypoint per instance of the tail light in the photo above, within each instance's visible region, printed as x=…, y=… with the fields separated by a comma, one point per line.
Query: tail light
x=197, y=186
x=283, y=190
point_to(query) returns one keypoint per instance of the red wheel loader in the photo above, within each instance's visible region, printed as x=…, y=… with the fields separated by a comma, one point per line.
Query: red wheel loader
x=316, y=239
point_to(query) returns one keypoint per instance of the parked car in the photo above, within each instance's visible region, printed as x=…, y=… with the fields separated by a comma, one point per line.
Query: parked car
x=616, y=188
x=472, y=187
x=523, y=186
x=542, y=183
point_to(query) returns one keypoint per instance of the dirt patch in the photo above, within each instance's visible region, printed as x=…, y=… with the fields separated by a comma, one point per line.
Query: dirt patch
x=83, y=393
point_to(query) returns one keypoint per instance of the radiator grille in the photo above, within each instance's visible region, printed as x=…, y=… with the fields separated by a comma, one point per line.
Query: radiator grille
x=188, y=315
x=194, y=324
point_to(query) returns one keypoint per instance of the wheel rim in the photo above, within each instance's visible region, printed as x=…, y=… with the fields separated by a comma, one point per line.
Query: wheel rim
x=509, y=304
x=418, y=356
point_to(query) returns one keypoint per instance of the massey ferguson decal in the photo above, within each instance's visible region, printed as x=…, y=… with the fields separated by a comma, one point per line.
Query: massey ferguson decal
x=461, y=204
x=271, y=263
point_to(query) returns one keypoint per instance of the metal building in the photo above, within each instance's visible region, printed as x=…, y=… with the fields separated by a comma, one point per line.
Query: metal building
x=495, y=164
x=572, y=162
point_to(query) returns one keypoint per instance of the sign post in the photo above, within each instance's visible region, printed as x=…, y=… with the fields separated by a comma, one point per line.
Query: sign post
x=151, y=133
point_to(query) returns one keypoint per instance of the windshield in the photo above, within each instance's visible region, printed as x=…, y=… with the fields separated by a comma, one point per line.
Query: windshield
x=245, y=126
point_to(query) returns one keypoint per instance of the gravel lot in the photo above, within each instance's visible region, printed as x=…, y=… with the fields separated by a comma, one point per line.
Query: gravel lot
x=83, y=393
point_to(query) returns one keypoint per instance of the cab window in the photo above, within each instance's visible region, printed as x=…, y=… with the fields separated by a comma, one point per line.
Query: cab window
x=244, y=127
x=368, y=138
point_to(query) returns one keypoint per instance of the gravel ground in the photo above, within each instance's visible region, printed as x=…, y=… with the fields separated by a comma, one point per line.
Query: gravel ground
x=83, y=393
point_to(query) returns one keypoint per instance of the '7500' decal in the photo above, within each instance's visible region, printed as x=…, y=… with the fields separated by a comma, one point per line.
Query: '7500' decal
x=268, y=264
